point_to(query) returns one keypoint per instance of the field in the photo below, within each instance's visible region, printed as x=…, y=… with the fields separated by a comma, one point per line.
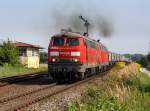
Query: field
x=8, y=70
x=125, y=89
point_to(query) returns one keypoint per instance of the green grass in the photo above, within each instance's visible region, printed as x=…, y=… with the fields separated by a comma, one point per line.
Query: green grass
x=145, y=82
x=8, y=70
x=140, y=90
x=94, y=100
x=116, y=94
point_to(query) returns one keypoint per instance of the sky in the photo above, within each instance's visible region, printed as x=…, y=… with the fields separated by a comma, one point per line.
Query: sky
x=33, y=21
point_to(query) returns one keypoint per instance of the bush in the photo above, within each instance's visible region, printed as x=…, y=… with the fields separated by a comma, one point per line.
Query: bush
x=148, y=67
x=143, y=61
x=43, y=57
x=94, y=101
x=148, y=57
x=8, y=53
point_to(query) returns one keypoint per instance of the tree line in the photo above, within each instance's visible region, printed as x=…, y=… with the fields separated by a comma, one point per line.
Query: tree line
x=145, y=61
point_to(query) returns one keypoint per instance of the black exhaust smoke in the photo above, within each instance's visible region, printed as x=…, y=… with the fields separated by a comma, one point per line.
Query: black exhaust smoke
x=82, y=22
x=65, y=14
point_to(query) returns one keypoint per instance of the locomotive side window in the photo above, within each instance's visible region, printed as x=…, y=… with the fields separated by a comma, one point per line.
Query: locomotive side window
x=57, y=41
x=72, y=41
x=90, y=43
x=105, y=48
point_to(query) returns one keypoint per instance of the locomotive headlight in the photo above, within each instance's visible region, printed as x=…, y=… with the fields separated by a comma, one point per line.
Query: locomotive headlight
x=54, y=53
x=53, y=60
x=75, y=60
x=75, y=53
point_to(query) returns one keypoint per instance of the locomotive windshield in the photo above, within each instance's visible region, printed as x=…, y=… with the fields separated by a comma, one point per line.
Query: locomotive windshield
x=72, y=41
x=58, y=41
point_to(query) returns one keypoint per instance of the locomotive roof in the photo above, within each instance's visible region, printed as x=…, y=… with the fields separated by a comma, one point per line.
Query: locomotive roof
x=73, y=34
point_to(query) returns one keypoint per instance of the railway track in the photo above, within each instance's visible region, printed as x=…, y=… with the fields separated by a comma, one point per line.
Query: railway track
x=25, y=99
x=15, y=79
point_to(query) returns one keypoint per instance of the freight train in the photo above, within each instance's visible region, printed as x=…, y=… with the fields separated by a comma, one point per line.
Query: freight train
x=74, y=56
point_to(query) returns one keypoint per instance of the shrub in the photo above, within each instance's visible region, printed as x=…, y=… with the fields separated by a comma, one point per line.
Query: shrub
x=43, y=57
x=148, y=57
x=143, y=61
x=120, y=64
x=94, y=101
x=148, y=67
x=8, y=53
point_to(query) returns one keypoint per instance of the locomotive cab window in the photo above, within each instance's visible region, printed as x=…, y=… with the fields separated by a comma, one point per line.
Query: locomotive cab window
x=58, y=41
x=72, y=41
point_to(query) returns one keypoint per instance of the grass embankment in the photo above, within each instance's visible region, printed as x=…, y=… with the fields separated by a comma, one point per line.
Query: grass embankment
x=124, y=89
x=8, y=70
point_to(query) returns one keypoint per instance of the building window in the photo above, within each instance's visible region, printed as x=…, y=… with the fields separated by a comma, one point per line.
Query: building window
x=33, y=52
x=22, y=52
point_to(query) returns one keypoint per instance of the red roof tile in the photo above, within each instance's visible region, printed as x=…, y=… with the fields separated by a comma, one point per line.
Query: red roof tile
x=21, y=44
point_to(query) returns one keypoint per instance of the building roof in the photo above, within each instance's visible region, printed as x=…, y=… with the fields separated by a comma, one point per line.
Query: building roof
x=22, y=44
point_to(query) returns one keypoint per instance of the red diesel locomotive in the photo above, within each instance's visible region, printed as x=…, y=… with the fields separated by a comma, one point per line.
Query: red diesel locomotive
x=72, y=55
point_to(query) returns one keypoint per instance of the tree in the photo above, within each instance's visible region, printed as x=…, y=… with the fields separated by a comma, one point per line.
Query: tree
x=143, y=61
x=43, y=57
x=8, y=53
x=148, y=57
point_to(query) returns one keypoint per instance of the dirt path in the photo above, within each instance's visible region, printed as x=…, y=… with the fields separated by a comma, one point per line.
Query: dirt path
x=144, y=70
